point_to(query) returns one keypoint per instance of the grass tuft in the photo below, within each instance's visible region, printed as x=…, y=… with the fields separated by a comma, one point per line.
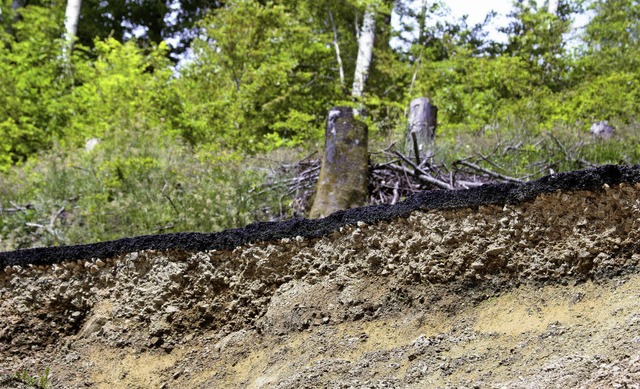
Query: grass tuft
x=41, y=381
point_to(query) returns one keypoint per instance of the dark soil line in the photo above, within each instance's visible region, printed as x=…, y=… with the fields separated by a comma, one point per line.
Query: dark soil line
x=493, y=194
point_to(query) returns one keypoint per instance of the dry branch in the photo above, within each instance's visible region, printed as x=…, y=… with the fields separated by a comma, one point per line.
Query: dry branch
x=427, y=179
x=488, y=172
x=393, y=176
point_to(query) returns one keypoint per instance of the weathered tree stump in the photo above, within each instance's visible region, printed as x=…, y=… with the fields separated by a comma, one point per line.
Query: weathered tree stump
x=343, y=181
x=421, y=131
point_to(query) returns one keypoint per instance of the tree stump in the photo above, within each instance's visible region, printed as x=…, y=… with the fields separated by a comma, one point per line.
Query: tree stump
x=421, y=131
x=343, y=181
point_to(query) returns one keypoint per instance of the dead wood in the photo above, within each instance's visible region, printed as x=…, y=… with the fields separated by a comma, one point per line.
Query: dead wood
x=392, y=177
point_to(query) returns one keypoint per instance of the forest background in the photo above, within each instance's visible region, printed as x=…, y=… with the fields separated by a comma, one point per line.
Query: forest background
x=191, y=145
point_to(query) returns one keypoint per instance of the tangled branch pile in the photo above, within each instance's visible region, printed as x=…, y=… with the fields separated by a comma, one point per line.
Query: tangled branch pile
x=393, y=176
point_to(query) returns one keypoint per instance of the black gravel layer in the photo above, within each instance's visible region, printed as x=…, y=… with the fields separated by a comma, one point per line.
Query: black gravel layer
x=591, y=179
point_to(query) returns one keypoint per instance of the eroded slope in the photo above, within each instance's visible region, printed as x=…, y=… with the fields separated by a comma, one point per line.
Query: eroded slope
x=540, y=292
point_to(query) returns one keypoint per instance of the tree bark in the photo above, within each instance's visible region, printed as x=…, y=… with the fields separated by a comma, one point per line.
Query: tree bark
x=421, y=129
x=365, y=52
x=337, y=47
x=15, y=4
x=343, y=181
x=71, y=18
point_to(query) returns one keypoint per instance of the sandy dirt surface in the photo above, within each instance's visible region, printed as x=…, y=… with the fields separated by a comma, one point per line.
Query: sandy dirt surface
x=541, y=294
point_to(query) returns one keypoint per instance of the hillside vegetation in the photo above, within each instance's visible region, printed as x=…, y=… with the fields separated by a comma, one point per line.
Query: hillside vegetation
x=190, y=138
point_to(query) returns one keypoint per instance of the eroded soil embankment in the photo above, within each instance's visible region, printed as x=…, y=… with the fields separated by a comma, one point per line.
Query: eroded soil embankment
x=541, y=293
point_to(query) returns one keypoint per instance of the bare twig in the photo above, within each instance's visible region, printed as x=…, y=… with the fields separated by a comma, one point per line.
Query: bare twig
x=468, y=184
x=16, y=207
x=383, y=166
x=48, y=228
x=419, y=171
x=386, y=150
x=396, y=193
x=586, y=163
x=564, y=151
x=164, y=228
x=55, y=216
x=169, y=198
x=423, y=177
x=488, y=172
x=489, y=161
x=413, y=78
x=516, y=147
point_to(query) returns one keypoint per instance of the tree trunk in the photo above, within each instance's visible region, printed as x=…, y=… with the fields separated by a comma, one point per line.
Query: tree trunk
x=343, y=181
x=71, y=17
x=365, y=52
x=337, y=47
x=421, y=130
x=552, y=7
x=15, y=4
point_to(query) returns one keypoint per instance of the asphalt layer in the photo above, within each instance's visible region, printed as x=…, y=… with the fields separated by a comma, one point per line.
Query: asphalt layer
x=498, y=194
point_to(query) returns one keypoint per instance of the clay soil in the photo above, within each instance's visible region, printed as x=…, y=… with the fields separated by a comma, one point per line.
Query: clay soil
x=542, y=294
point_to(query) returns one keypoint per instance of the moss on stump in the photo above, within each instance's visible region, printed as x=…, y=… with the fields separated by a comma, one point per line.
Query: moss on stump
x=343, y=181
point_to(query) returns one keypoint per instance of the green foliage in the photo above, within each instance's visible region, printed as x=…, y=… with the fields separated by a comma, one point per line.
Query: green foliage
x=29, y=85
x=614, y=95
x=537, y=37
x=148, y=184
x=127, y=85
x=40, y=382
x=147, y=22
x=612, y=38
x=260, y=79
x=606, y=68
x=534, y=77
x=123, y=88
x=470, y=92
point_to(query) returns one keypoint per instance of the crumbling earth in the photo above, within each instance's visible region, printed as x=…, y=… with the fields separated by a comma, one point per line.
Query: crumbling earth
x=542, y=293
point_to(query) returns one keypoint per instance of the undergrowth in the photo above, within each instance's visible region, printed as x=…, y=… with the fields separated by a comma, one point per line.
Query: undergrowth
x=517, y=151
x=127, y=186
x=146, y=183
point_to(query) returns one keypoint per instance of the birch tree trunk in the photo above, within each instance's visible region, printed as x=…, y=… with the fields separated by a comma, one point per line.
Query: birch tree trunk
x=365, y=52
x=337, y=47
x=552, y=7
x=343, y=181
x=71, y=18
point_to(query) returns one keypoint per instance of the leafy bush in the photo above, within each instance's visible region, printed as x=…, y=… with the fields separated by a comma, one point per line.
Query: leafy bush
x=146, y=185
x=30, y=85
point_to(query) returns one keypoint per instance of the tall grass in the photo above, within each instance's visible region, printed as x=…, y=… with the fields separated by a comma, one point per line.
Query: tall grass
x=127, y=186
x=516, y=150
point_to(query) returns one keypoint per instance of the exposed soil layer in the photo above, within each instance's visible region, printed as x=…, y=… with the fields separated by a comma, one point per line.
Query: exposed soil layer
x=538, y=292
